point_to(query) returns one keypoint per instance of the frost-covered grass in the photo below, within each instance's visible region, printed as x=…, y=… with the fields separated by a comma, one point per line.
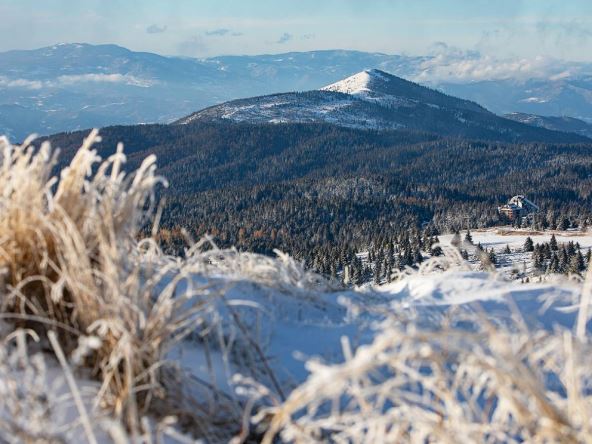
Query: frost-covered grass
x=459, y=356
x=104, y=338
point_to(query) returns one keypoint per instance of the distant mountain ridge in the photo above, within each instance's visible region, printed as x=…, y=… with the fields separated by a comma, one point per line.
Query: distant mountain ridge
x=555, y=123
x=374, y=99
x=73, y=86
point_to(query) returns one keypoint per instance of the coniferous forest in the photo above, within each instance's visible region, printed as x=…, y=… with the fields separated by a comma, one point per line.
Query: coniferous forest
x=324, y=193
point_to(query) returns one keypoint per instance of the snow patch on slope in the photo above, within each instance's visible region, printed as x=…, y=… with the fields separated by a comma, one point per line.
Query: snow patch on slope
x=357, y=84
x=298, y=108
x=365, y=86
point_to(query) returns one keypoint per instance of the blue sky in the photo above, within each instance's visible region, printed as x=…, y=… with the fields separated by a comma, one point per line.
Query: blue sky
x=200, y=28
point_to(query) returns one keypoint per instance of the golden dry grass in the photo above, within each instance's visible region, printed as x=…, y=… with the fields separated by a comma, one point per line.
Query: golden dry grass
x=70, y=265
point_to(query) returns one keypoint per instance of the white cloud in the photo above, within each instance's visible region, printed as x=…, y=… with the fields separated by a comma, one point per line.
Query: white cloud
x=68, y=80
x=105, y=78
x=20, y=83
x=450, y=64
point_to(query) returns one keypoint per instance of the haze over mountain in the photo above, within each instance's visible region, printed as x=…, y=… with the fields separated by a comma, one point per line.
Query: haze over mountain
x=374, y=99
x=555, y=123
x=74, y=86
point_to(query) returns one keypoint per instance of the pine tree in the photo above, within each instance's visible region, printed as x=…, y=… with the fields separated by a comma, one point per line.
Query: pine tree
x=436, y=251
x=409, y=256
x=553, y=265
x=537, y=260
x=547, y=251
x=417, y=256
x=563, y=261
x=378, y=273
x=553, y=243
x=571, y=249
x=528, y=244
x=492, y=257
x=576, y=264
x=469, y=238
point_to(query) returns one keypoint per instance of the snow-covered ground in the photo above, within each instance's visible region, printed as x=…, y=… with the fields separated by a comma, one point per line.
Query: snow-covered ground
x=294, y=326
x=498, y=238
x=273, y=323
x=518, y=262
x=362, y=85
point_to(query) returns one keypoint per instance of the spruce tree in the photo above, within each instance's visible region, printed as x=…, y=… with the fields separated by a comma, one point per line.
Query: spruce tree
x=417, y=256
x=553, y=243
x=492, y=257
x=469, y=237
x=576, y=264
x=436, y=251
x=536, y=259
x=378, y=273
x=528, y=244
x=563, y=260
x=554, y=264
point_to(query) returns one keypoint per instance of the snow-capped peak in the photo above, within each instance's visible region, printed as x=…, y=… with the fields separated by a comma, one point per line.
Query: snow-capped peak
x=358, y=84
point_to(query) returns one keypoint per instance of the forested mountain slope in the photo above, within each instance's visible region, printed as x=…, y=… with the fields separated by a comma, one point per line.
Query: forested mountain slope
x=555, y=123
x=316, y=190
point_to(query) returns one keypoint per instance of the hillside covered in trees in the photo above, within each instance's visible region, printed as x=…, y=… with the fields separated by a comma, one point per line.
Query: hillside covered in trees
x=322, y=192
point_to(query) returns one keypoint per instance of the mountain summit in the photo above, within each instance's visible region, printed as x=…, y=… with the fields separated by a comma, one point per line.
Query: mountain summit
x=374, y=99
x=374, y=85
x=364, y=83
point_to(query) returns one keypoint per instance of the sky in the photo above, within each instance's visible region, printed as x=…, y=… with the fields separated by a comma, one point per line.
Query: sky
x=202, y=28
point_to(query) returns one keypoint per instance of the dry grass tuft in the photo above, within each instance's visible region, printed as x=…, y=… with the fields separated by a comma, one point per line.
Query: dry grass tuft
x=70, y=264
x=73, y=274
